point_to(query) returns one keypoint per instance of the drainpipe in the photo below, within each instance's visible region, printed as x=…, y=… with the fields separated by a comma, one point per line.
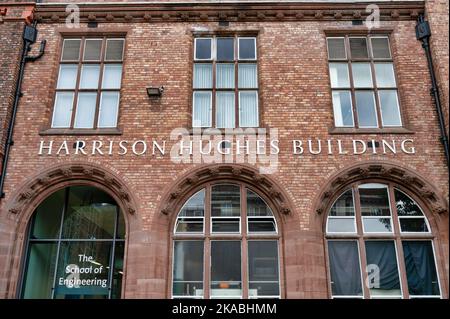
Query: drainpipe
x=423, y=33
x=29, y=37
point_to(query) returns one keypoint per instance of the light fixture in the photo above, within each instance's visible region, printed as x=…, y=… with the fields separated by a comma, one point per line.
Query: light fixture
x=155, y=91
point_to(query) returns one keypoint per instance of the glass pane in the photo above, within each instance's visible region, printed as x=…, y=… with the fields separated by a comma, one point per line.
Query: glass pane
x=384, y=73
x=341, y=225
x=67, y=78
x=195, y=206
x=247, y=48
x=84, y=117
x=203, y=49
x=62, y=113
x=225, y=225
x=89, y=76
x=256, y=206
x=112, y=76
x=417, y=225
x=405, y=205
x=344, y=268
x=225, y=200
x=362, y=75
x=91, y=214
x=390, y=112
x=188, y=268
x=121, y=227
x=225, y=109
x=118, y=270
x=374, y=200
x=248, y=109
x=358, y=48
x=203, y=76
x=71, y=50
x=202, y=109
x=189, y=225
x=261, y=225
x=365, y=108
x=225, y=49
x=92, y=49
x=344, y=205
x=47, y=217
x=380, y=48
x=40, y=269
x=339, y=75
x=114, y=49
x=263, y=271
x=377, y=225
x=83, y=270
x=109, y=108
x=382, y=268
x=336, y=48
x=225, y=76
x=420, y=268
x=226, y=269
x=248, y=76
x=342, y=108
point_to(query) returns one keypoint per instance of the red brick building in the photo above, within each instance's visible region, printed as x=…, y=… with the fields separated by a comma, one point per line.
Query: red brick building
x=320, y=166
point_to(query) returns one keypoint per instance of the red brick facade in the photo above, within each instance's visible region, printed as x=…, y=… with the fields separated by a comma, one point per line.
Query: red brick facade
x=295, y=98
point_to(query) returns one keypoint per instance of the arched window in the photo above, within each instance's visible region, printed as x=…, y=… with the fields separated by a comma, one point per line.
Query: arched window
x=380, y=245
x=75, y=246
x=225, y=245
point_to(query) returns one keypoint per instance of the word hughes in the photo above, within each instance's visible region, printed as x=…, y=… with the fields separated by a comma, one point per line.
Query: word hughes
x=237, y=146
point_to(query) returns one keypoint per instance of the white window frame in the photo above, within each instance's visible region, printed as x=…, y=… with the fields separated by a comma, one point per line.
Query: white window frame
x=343, y=217
x=398, y=107
x=257, y=107
x=212, y=48
x=373, y=185
x=100, y=109
x=238, y=51
x=210, y=107
x=84, y=49
x=123, y=50
x=349, y=92
x=79, y=50
x=371, y=47
x=345, y=50
x=54, y=107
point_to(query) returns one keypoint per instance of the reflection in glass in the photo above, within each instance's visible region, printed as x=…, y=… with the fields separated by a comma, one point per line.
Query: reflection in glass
x=342, y=108
x=259, y=214
x=342, y=214
x=225, y=200
x=226, y=278
x=190, y=218
x=188, y=268
x=339, y=75
x=225, y=49
x=374, y=200
x=202, y=49
x=263, y=268
x=410, y=215
x=362, y=75
x=247, y=48
x=47, y=219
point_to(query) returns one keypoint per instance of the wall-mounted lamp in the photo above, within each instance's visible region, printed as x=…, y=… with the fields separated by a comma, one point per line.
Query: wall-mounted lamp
x=155, y=91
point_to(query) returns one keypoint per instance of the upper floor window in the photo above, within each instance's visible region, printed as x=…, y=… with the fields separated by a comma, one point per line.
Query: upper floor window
x=363, y=84
x=225, y=82
x=89, y=82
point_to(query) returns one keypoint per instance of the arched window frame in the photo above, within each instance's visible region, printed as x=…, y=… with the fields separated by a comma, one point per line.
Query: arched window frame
x=243, y=236
x=396, y=235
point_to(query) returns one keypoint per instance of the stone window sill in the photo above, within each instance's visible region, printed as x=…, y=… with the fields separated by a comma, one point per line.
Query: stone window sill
x=64, y=131
x=352, y=130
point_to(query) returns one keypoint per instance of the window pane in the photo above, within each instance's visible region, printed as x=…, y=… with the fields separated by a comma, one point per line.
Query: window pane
x=67, y=78
x=225, y=49
x=109, y=108
x=382, y=268
x=405, y=205
x=47, y=218
x=374, y=200
x=344, y=268
x=336, y=48
x=89, y=76
x=83, y=269
x=71, y=50
x=225, y=201
x=225, y=110
x=339, y=75
x=84, y=117
x=256, y=206
x=225, y=76
x=261, y=225
x=189, y=225
x=195, y=206
x=202, y=109
x=415, y=225
x=247, y=76
x=118, y=270
x=380, y=48
x=188, y=268
x=203, y=49
x=384, y=73
x=114, y=49
x=390, y=112
x=338, y=225
x=247, y=49
x=62, y=112
x=420, y=268
x=342, y=108
x=92, y=50
x=40, y=269
x=362, y=75
x=112, y=76
x=358, y=48
x=377, y=225
x=263, y=274
x=248, y=109
x=202, y=76
x=365, y=108
x=225, y=225
x=226, y=269
x=91, y=214
x=344, y=205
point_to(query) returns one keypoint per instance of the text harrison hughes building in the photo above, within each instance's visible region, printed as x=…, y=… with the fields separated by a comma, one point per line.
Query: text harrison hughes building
x=233, y=150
